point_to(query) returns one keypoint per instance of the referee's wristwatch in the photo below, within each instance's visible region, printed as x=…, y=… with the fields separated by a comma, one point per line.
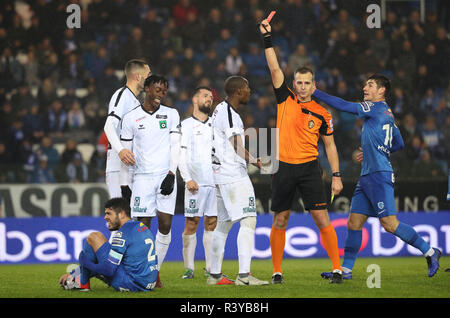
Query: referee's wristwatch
x=337, y=174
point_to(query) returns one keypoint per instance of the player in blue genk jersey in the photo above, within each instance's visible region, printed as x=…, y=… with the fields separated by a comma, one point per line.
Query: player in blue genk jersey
x=374, y=193
x=128, y=263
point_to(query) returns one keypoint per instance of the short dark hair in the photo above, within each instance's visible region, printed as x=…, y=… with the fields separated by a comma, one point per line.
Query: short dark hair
x=156, y=78
x=199, y=88
x=134, y=64
x=382, y=81
x=233, y=83
x=304, y=70
x=119, y=204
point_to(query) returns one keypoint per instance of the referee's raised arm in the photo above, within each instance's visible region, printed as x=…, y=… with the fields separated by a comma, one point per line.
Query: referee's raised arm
x=271, y=57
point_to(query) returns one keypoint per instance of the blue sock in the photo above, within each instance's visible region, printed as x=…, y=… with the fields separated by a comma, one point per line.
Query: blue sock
x=85, y=273
x=410, y=236
x=352, y=246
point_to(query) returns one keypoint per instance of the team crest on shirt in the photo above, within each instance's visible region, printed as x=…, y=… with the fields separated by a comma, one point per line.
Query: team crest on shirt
x=311, y=124
x=163, y=124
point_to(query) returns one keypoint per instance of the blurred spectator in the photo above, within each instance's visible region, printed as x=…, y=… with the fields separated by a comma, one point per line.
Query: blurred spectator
x=46, y=148
x=56, y=118
x=69, y=152
x=233, y=61
x=427, y=168
x=429, y=102
x=262, y=112
x=34, y=127
x=41, y=172
x=11, y=72
x=413, y=148
x=181, y=11
x=31, y=69
x=408, y=127
x=75, y=117
x=77, y=171
x=23, y=99
x=97, y=164
x=46, y=94
x=299, y=58
x=225, y=42
x=432, y=138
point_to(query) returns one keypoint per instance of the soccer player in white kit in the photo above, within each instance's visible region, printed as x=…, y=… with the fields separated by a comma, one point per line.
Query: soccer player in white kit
x=122, y=101
x=235, y=193
x=152, y=132
x=196, y=170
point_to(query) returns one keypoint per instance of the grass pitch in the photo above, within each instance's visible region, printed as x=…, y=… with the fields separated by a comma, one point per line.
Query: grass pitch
x=404, y=277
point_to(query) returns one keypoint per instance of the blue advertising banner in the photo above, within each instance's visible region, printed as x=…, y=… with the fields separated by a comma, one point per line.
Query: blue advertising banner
x=59, y=240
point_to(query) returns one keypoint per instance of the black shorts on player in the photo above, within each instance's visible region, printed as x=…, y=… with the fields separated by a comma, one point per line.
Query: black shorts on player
x=307, y=178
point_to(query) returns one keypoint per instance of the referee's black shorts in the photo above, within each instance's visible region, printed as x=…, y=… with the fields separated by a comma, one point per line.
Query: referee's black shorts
x=307, y=177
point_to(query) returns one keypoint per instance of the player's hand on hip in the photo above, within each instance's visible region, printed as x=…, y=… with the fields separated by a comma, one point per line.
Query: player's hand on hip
x=127, y=157
x=357, y=155
x=168, y=184
x=192, y=186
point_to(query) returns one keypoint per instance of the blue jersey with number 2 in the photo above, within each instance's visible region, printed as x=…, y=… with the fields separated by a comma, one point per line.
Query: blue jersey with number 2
x=380, y=136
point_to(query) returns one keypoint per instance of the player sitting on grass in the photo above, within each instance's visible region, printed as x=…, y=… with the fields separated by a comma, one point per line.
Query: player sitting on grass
x=129, y=263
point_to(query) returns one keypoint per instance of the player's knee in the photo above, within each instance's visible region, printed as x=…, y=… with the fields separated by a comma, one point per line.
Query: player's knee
x=210, y=223
x=249, y=222
x=95, y=238
x=191, y=226
x=281, y=220
x=388, y=225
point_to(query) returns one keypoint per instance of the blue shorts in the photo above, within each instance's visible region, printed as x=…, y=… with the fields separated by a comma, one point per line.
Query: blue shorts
x=120, y=281
x=374, y=195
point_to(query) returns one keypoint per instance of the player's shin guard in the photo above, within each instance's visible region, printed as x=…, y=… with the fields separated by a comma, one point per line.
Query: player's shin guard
x=352, y=246
x=219, y=238
x=245, y=243
x=162, y=245
x=189, y=245
x=410, y=236
x=330, y=242
x=207, y=237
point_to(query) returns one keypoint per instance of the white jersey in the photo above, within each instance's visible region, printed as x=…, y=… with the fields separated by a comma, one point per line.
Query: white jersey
x=196, y=141
x=227, y=165
x=122, y=101
x=150, y=136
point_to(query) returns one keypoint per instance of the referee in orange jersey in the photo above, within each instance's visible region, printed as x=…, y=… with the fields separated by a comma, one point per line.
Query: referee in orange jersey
x=300, y=122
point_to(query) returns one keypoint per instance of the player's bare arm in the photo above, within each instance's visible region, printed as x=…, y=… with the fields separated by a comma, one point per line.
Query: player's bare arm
x=333, y=159
x=236, y=141
x=271, y=57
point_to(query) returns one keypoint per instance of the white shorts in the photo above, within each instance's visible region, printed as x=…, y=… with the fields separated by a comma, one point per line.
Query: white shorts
x=235, y=200
x=146, y=196
x=113, y=184
x=202, y=203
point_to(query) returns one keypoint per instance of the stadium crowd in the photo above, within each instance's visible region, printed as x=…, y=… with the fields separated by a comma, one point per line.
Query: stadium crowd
x=56, y=82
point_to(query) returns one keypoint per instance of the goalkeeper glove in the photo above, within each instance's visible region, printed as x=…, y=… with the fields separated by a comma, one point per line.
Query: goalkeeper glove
x=168, y=184
x=126, y=192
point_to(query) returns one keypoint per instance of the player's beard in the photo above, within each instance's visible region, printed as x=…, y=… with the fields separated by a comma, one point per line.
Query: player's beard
x=114, y=224
x=204, y=109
